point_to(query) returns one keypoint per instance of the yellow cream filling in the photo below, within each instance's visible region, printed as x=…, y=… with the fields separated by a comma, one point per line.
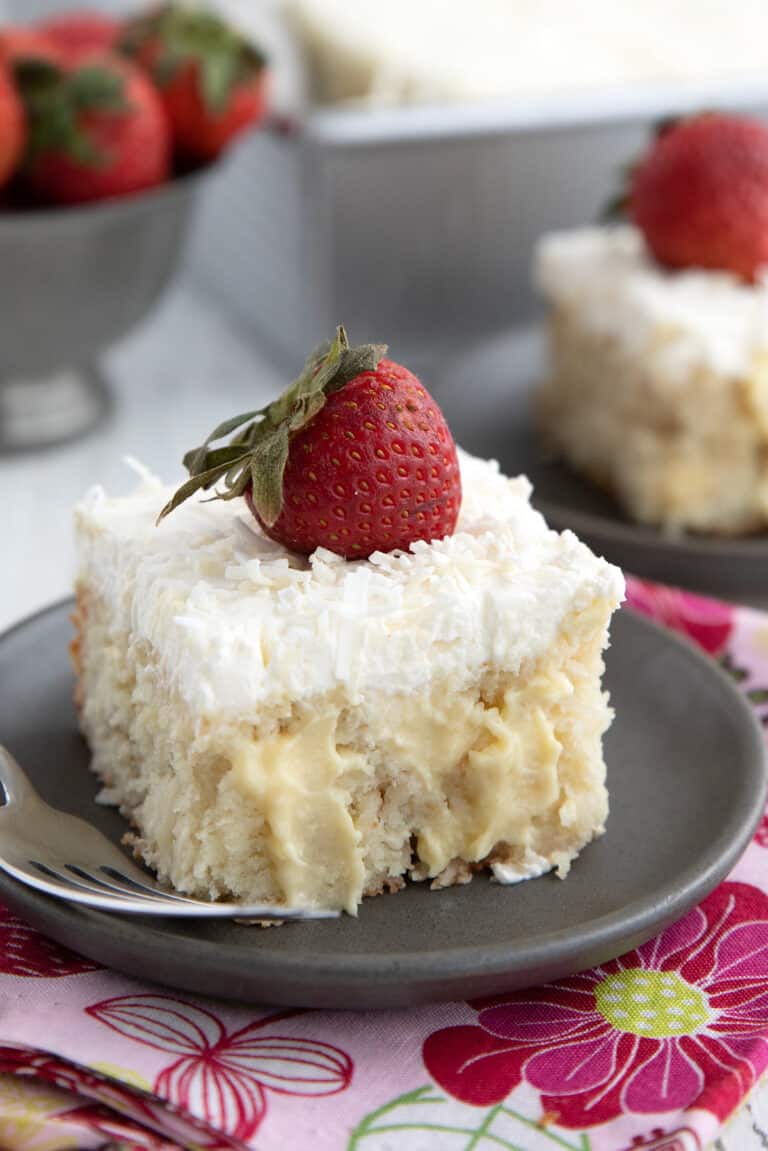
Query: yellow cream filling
x=312, y=843
x=477, y=776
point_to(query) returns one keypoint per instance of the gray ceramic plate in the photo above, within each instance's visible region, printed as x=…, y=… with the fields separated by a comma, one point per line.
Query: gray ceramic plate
x=488, y=399
x=685, y=762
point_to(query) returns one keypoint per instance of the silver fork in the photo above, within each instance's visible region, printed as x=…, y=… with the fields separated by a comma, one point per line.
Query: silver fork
x=67, y=857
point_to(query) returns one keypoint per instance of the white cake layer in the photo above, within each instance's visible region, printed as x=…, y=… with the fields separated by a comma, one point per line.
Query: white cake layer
x=240, y=624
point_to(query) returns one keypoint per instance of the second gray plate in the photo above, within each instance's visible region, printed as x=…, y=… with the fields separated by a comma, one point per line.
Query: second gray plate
x=687, y=784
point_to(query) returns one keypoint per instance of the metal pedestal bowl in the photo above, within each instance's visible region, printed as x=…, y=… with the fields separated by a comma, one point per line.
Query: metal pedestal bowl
x=72, y=282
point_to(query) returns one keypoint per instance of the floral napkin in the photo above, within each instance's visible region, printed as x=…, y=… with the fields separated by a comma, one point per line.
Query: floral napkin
x=652, y=1051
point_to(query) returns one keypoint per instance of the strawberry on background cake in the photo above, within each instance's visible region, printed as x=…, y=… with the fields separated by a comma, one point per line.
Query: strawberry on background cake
x=658, y=381
x=360, y=657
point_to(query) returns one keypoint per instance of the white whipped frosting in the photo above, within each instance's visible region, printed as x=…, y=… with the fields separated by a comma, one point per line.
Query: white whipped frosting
x=242, y=623
x=698, y=316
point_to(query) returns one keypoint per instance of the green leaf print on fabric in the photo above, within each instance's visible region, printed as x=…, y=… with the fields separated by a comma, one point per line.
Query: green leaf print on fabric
x=454, y=1126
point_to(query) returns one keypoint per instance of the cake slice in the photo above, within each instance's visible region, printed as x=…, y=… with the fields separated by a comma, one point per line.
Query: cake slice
x=657, y=386
x=658, y=380
x=307, y=728
x=313, y=731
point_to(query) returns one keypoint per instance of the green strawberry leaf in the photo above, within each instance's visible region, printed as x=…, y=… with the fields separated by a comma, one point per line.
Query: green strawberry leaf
x=96, y=89
x=195, y=460
x=257, y=454
x=218, y=76
x=219, y=458
x=182, y=34
x=202, y=480
x=54, y=101
x=614, y=209
x=617, y=207
x=266, y=472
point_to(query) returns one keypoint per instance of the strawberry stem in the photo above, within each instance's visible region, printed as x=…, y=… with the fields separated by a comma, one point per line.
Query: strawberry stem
x=256, y=456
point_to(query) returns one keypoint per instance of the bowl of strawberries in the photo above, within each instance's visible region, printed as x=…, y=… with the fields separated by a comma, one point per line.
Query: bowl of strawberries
x=106, y=130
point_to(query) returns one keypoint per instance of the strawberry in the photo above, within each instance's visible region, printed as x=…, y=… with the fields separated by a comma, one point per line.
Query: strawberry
x=21, y=43
x=96, y=129
x=12, y=126
x=80, y=33
x=212, y=80
x=700, y=194
x=355, y=457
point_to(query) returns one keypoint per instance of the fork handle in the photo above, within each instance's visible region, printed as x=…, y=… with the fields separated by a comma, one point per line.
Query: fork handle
x=13, y=781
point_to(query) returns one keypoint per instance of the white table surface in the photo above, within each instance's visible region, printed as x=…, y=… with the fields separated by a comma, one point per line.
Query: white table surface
x=172, y=381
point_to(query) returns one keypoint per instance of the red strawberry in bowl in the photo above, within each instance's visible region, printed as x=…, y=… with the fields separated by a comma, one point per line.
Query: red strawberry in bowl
x=12, y=126
x=355, y=457
x=18, y=42
x=81, y=32
x=212, y=80
x=700, y=194
x=96, y=129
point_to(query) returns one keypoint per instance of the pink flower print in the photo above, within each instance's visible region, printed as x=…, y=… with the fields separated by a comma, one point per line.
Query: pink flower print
x=682, y=1139
x=23, y=951
x=681, y=1021
x=761, y=835
x=708, y=622
x=221, y=1077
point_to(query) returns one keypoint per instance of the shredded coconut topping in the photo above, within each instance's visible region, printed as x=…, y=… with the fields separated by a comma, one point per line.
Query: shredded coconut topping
x=241, y=622
x=691, y=317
